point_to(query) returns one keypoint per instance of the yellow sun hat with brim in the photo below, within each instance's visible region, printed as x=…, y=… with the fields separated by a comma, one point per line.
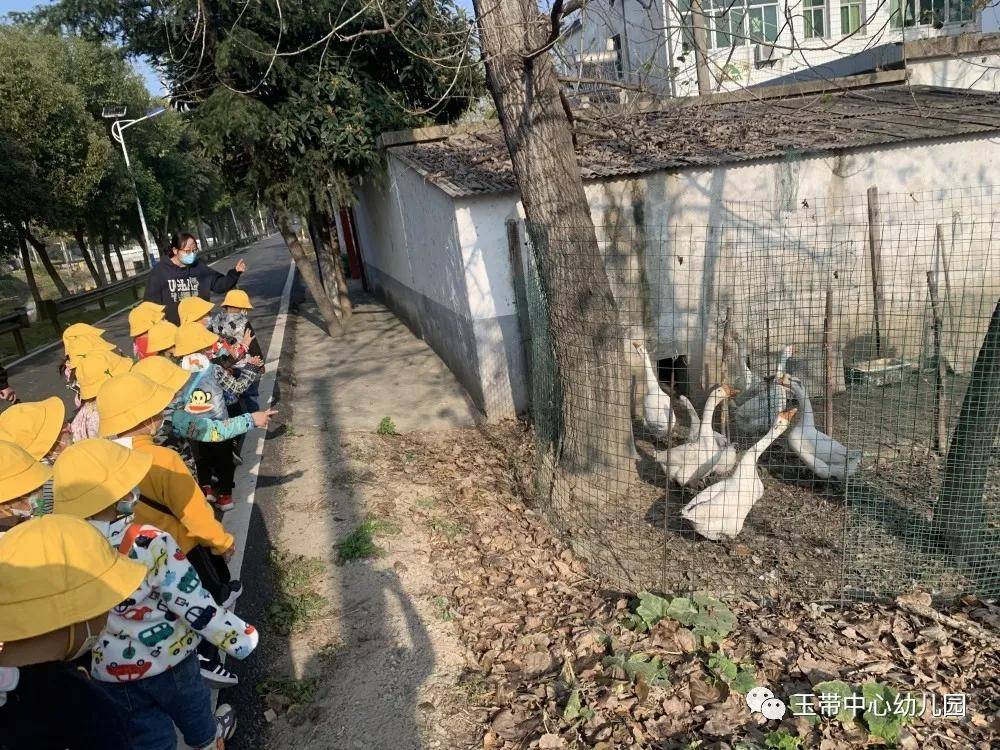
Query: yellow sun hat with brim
x=78, y=330
x=81, y=346
x=34, y=425
x=161, y=337
x=142, y=317
x=193, y=337
x=96, y=368
x=237, y=298
x=94, y=474
x=127, y=400
x=193, y=309
x=162, y=371
x=56, y=571
x=20, y=472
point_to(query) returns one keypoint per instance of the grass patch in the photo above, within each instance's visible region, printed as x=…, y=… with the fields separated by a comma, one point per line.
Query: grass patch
x=297, y=603
x=450, y=530
x=386, y=427
x=442, y=608
x=301, y=692
x=427, y=503
x=360, y=543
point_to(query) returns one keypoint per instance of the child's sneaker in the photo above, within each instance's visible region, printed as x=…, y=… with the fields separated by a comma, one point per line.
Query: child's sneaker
x=224, y=502
x=225, y=720
x=235, y=589
x=208, y=492
x=215, y=674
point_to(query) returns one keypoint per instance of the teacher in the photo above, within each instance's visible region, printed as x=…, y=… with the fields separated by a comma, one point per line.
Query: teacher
x=180, y=274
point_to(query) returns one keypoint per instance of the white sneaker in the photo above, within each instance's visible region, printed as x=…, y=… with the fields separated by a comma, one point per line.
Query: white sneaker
x=235, y=589
x=215, y=674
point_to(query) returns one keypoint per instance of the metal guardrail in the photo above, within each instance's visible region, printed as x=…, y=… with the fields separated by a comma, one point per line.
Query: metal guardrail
x=13, y=323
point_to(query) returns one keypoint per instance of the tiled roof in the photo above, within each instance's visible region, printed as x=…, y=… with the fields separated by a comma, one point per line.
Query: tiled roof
x=674, y=138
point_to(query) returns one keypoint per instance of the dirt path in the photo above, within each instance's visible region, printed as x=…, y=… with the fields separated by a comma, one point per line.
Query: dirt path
x=362, y=653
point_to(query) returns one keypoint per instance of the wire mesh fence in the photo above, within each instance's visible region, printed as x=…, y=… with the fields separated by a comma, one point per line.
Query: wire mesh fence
x=798, y=401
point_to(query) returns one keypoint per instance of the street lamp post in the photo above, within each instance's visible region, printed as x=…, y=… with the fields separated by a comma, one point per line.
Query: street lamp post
x=117, y=113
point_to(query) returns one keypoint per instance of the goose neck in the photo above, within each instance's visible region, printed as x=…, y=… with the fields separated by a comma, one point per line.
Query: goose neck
x=705, y=429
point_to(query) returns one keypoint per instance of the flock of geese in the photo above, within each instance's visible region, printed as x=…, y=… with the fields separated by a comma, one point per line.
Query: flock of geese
x=760, y=407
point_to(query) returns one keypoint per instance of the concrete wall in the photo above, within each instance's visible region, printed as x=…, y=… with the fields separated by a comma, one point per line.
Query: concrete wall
x=660, y=60
x=407, y=232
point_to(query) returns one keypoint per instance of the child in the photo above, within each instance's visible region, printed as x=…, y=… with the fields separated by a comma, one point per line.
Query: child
x=160, y=338
x=146, y=655
x=21, y=482
x=197, y=310
x=39, y=428
x=143, y=317
x=58, y=579
x=131, y=408
x=232, y=325
x=91, y=373
x=206, y=395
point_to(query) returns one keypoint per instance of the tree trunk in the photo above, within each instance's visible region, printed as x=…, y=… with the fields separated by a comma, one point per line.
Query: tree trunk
x=588, y=340
x=201, y=234
x=331, y=245
x=121, y=261
x=43, y=256
x=106, y=245
x=959, y=515
x=29, y=275
x=309, y=275
x=82, y=243
x=322, y=261
x=215, y=232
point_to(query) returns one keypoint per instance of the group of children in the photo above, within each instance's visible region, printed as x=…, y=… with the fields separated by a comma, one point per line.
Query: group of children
x=113, y=562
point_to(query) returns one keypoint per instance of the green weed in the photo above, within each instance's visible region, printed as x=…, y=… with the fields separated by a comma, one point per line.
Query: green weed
x=442, y=608
x=450, y=530
x=386, y=427
x=296, y=603
x=427, y=503
x=299, y=692
x=360, y=543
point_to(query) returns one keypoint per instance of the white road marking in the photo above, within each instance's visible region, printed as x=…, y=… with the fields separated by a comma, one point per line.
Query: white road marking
x=237, y=521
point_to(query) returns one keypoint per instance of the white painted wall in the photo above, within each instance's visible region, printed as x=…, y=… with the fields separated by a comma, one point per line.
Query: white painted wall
x=980, y=72
x=661, y=61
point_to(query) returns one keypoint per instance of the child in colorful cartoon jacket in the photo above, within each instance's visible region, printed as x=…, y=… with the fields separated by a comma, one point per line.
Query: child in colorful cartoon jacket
x=225, y=350
x=207, y=394
x=146, y=656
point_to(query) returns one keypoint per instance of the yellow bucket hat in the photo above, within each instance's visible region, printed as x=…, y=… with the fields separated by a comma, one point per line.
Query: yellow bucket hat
x=143, y=316
x=93, y=474
x=93, y=370
x=126, y=400
x=78, y=330
x=20, y=472
x=161, y=336
x=161, y=370
x=81, y=346
x=191, y=338
x=34, y=425
x=193, y=309
x=237, y=298
x=56, y=571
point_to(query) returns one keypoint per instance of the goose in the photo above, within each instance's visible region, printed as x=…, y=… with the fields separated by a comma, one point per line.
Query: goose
x=720, y=509
x=825, y=457
x=705, y=451
x=656, y=403
x=756, y=413
x=694, y=421
x=748, y=381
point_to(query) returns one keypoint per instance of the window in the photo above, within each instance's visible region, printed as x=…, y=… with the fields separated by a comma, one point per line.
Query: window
x=733, y=23
x=814, y=18
x=934, y=13
x=852, y=17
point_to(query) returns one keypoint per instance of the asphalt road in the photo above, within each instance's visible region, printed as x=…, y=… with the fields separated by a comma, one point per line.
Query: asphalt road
x=267, y=280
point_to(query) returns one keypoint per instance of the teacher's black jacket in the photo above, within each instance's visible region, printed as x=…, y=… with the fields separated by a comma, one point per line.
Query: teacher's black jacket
x=168, y=284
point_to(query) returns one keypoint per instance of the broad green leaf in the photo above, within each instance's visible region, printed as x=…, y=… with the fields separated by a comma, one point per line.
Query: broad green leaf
x=842, y=691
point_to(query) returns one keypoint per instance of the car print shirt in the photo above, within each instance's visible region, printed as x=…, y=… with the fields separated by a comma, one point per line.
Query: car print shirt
x=161, y=624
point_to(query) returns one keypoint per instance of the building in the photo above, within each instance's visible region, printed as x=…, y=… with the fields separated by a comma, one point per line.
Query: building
x=743, y=206
x=648, y=46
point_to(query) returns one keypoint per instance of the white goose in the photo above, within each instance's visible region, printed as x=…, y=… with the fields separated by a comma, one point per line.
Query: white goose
x=825, y=457
x=720, y=510
x=693, y=418
x=706, y=451
x=748, y=381
x=760, y=408
x=656, y=403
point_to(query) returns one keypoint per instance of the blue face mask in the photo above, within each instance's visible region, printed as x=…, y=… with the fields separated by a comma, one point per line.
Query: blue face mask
x=187, y=258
